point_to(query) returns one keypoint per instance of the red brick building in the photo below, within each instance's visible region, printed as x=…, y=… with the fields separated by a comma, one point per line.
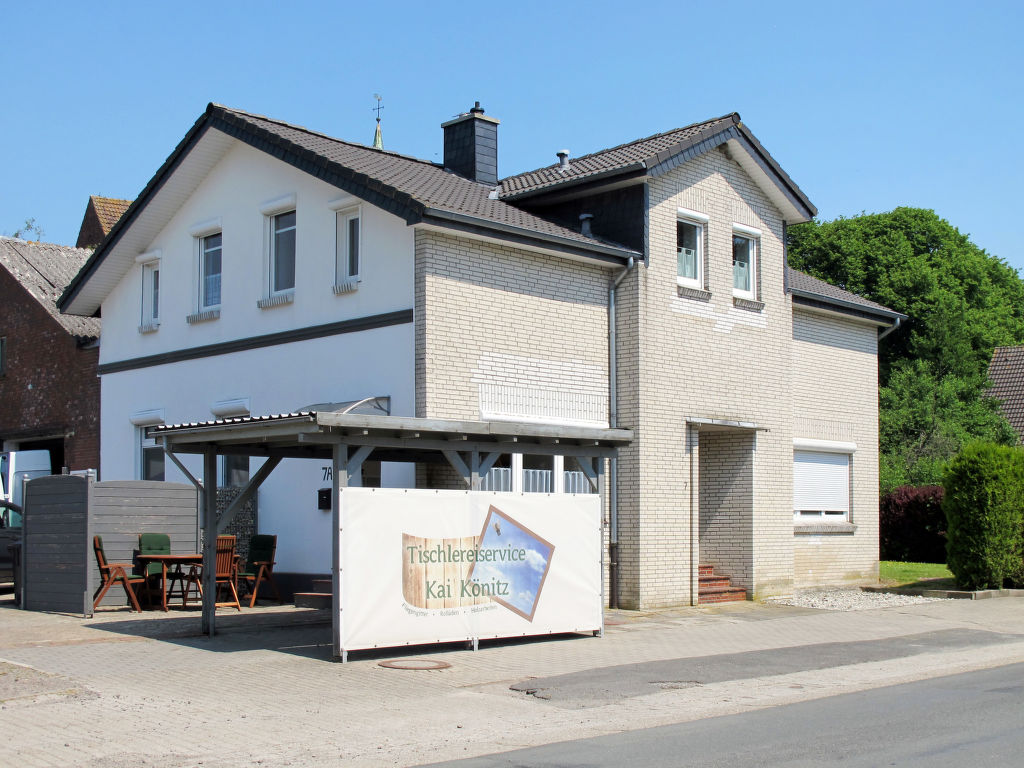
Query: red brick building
x=49, y=390
x=101, y=214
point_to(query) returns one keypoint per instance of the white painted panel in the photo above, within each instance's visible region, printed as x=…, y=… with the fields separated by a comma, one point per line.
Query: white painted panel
x=821, y=481
x=274, y=380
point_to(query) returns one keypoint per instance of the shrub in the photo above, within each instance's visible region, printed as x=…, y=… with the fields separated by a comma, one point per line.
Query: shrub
x=912, y=525
x=984, y=496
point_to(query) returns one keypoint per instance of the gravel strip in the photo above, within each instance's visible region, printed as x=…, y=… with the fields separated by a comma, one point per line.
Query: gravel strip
x=849, y=599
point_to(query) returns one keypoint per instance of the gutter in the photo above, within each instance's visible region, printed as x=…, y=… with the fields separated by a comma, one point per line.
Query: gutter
x=886, y=313
x=613, y=464
x=891, y=328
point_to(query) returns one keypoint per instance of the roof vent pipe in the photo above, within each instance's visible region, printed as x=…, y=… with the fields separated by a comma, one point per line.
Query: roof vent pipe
x=585, y=224
x=563, y=159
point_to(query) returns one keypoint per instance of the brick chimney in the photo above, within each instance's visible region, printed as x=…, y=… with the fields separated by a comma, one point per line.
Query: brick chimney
x=471, y=146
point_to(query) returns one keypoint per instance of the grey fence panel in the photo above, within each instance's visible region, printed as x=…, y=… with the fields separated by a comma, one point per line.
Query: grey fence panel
x=122, y=509
x=54, y=535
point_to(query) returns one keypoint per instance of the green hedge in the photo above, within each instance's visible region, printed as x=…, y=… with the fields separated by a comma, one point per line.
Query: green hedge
x=984, y=506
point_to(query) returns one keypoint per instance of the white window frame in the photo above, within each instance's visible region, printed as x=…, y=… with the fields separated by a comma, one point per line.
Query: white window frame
x=272, y=232
x=201, y=241
x=344, y=275
x=700, y=222
x=824, y=448
x=150, y=308
x=753, y=237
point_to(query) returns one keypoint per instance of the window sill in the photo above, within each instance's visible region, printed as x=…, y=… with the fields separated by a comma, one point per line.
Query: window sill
x=277, y=300
x=824, y=529
x=686, y=292
x=749, y=304
x=149, y=327
x=346, y=286
x=202, y=317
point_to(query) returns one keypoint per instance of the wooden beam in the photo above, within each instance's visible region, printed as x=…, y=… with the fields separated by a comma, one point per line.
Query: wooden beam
x=339, y=464
x=459, y=465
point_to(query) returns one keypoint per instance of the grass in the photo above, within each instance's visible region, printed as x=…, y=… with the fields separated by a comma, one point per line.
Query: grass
x=897, y=574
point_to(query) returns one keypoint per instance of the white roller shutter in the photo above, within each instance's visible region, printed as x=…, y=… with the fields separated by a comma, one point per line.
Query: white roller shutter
x=821, y=481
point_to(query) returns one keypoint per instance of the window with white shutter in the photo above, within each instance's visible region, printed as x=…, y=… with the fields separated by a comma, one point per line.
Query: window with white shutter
x=821, y=485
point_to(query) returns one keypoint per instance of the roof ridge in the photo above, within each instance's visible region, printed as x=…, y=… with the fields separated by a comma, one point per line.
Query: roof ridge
x=322, y=135
x=623, y=145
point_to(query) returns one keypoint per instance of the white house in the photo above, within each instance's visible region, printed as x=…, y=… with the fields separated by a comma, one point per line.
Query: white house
x=267, y=268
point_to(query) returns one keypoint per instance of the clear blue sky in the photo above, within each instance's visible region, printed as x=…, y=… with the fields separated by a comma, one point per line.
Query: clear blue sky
x=867, y=105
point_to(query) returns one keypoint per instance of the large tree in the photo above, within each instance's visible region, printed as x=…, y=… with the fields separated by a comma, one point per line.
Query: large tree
x=961, y=303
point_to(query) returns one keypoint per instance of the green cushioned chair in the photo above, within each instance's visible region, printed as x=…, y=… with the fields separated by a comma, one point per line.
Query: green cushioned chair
x=153, y=544
x=259, y=566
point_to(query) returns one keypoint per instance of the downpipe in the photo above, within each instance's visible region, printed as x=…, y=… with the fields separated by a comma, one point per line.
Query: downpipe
x=613, y=464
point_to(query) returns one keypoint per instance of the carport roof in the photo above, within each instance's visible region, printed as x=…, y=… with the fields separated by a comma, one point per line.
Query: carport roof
x=310, y=434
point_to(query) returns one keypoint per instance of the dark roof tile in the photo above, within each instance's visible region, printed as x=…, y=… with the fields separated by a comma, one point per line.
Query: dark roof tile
x=44, y=270
x=800, y=282
x=1007, y=374
x=649, y=150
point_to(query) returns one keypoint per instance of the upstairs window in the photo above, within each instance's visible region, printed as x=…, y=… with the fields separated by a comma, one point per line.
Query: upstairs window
x=690, y=254
x=150, y=296
x=282, y=252
x=744, y=265
x=210, y=271
x=348, y=255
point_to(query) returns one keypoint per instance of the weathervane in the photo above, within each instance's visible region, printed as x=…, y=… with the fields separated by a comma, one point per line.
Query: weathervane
x=378, y=140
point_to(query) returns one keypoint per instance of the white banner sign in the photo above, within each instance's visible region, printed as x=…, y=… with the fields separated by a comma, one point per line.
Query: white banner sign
x=424, y=566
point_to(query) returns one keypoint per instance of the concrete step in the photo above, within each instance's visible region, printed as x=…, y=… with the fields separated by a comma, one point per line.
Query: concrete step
x=320, y=600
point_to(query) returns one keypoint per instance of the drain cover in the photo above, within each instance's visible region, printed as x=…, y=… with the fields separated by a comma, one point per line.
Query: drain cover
x=414, y=664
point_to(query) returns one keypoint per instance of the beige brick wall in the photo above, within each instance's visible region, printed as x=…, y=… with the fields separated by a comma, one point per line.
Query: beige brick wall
x=505, y=316
x=835, y=394
x=700, y=359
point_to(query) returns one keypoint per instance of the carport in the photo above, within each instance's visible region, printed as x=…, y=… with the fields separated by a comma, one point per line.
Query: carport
x=348, y=439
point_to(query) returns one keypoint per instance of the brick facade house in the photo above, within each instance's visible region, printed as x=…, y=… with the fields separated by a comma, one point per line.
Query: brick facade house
x=49, y=389
x=266, y=267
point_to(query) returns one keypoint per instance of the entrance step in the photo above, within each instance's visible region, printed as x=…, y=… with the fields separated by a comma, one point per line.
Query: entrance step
x=313, y=600
x=717, y=589
x=320, y=597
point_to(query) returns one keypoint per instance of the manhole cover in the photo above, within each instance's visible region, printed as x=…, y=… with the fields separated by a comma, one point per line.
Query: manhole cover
x=414, y=664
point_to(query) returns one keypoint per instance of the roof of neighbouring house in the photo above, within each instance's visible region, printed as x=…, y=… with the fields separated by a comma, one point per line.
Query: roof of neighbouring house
x=101, y=214
x=1007, y=374
x=659, y=153
x=814, y=291
x=44, y=270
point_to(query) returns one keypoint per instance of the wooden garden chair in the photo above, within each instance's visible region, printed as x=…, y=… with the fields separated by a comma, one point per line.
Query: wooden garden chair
x=113, y=573
x=260, y=566
x=226, y=570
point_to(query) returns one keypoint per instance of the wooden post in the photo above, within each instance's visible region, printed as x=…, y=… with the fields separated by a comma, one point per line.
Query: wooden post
x=339, y=461
x=209, y=540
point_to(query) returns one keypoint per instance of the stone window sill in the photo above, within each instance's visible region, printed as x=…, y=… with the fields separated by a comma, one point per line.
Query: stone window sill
x=824, y=529
x=202, y=317
x=149, y=327
x=346, y=286
x=277, y=300
x=685, y=292
x=753, y=306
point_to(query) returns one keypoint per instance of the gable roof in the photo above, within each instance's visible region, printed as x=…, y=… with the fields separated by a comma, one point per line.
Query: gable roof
x=661, y=152
x=101, y=214
x=814, y=292
x=416, y=190
x=44, y=270
x=1006, y=372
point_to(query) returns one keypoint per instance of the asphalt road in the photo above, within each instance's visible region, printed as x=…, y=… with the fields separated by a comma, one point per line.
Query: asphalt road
x=973, y=719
